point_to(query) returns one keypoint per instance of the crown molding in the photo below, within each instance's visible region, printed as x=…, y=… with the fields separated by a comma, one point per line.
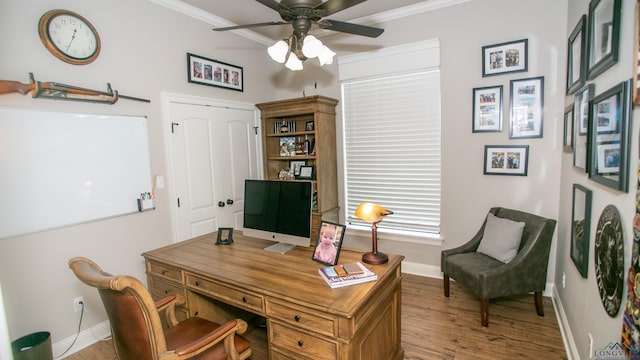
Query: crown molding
x=386, y=16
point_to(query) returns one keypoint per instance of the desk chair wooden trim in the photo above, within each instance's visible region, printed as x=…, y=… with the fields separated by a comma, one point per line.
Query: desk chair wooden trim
x=91, y=274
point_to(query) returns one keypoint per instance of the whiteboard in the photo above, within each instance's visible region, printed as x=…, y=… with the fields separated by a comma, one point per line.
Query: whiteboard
x=59, y=169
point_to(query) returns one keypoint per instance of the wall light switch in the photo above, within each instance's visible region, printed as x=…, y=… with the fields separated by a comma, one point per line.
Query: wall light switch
x=159, y=182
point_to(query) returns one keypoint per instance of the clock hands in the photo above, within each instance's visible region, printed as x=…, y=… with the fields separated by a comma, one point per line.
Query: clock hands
x=72, y=37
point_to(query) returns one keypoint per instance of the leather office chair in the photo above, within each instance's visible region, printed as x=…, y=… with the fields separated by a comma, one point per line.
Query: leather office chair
x=488, y=278
x=137, y=330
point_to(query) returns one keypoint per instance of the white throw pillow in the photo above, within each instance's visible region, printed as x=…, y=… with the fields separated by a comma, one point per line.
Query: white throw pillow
x=501, y=238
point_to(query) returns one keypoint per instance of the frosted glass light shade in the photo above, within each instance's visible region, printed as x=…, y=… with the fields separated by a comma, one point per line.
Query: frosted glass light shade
x=326, y=56
x=293, y=63
x=311, y=46
x=279, y=51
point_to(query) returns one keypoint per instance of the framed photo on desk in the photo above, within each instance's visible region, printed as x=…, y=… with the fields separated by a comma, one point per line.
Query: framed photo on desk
x=328, y=243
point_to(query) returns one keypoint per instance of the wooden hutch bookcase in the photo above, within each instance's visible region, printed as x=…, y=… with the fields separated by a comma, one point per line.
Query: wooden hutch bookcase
x=311, y=118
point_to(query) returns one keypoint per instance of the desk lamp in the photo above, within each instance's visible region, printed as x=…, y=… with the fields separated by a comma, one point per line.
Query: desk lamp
x=373, y=213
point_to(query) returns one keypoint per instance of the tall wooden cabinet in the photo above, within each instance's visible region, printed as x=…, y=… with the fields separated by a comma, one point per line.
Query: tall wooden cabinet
x=286, y=124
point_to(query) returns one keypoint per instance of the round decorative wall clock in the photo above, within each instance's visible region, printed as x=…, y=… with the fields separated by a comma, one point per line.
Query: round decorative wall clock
x=609, y=259
x=69, y=37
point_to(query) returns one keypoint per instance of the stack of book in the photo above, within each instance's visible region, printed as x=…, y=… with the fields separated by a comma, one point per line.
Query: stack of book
x=347, y=274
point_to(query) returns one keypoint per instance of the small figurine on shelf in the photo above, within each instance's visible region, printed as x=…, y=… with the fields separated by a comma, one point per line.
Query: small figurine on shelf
x=284, y=128
x=285, y=174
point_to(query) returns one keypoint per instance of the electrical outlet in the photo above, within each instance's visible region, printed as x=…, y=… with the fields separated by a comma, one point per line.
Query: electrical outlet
x=590, y=346
x=78, y=304
x=564, y=280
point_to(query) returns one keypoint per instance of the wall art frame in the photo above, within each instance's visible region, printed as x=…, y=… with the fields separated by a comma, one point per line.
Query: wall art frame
x=506, y=160
x=201, y=70
x=487, y=109
x=507, y=57
x=576, y=56
x=580, y=228
x=567, y=139
x=581, y=126
x=526, y=108
x=609, y=137
x=604, y=36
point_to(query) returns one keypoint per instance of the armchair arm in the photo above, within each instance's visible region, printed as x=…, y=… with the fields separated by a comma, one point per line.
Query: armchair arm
x=168, y=303
x=225, y=332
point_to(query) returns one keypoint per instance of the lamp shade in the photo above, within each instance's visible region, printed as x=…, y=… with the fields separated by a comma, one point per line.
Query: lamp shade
x=293, y=63
x=279, y=51
x=311, y=46
x=371, y=212
x=326, y=56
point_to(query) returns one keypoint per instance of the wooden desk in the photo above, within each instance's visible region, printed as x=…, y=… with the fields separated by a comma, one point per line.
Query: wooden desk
x=306, y=319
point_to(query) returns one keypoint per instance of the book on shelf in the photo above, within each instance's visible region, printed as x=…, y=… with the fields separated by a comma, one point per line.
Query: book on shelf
x=347, y=274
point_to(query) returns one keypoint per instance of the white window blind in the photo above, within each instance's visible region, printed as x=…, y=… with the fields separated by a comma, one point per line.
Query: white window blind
x=392, y=148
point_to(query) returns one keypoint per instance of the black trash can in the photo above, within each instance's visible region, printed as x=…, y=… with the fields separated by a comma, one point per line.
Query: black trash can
x=36, y=346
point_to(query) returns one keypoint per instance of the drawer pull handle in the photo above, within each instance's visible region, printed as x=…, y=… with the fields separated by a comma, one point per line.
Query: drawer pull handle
x=300, y=343
x=166, y=292
x=244, y=299
x=163, y=272
x=197, y=283
x=296, y=318
x=195, y=313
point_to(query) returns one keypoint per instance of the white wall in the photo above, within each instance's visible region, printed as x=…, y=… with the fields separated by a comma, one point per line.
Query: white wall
x=144, y=50
x=580, y=299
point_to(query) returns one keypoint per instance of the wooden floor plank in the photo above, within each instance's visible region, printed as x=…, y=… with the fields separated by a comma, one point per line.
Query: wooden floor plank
x=436, y=327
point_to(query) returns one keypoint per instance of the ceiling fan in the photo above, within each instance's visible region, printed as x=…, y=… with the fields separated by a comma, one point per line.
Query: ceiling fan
x=301, y=14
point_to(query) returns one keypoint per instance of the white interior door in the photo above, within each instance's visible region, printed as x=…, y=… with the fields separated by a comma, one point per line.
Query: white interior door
x=213, y=149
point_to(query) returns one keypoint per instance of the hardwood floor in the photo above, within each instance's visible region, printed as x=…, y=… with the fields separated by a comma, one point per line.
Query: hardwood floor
x=435, y=327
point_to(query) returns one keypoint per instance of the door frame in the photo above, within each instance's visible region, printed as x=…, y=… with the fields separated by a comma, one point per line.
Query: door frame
x=167, y=99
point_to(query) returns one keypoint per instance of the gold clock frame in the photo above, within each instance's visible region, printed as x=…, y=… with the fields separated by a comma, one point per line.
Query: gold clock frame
x=43, y=31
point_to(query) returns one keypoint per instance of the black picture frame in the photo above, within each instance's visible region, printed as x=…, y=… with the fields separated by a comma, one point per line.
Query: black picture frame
x=204, y=71
x=526, y=102
x=507, y=57
x=604, y=36
x=581, y=126
x=225, y=236
x=308, y=126
x=567, y=139
x=580, y=228
x=506, y=160
x=576, y=58
x=487, y=109
x=307, y=172
x=609, y=137
x=328, y=243
x=294, y=166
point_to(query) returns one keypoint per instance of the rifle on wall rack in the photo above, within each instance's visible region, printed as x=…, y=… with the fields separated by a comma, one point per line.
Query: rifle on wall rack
x=54, y=90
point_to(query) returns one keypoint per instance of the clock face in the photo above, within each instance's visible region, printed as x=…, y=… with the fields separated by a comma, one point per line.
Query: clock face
x=69, y=37
x=609, y=259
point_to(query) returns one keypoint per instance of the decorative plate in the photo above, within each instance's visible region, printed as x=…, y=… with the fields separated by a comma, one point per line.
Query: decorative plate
x=609, y=259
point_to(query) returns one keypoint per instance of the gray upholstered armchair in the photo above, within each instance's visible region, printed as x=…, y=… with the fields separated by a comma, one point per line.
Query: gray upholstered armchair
x=487, y=277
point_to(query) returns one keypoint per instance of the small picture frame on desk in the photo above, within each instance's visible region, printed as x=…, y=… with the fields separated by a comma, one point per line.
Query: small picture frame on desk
x=307, y=172
x=225, y=236
x=328, y=243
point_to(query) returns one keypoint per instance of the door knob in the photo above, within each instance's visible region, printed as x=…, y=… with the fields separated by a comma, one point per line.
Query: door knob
x=220, y=203
x=229, y=202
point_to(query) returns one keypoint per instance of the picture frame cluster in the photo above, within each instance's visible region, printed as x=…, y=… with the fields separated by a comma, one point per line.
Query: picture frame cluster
x=526, y=107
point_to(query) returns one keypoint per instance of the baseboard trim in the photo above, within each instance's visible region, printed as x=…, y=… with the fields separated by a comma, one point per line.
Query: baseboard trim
x=86, y=338
x=565, y=330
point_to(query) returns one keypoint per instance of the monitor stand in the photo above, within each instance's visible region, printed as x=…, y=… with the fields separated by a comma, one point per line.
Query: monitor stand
x=280, y=248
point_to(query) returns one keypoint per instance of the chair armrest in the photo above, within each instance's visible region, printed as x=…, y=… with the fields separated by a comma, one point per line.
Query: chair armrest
x=225, y=332
x=168, y=304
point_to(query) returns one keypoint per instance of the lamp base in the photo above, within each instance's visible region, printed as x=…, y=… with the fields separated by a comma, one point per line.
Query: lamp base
x=375, y=258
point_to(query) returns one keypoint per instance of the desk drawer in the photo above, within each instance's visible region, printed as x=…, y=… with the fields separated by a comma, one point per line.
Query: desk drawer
x=308, y=345
x=164, y=271
x=160, y=288
x=304, y=318
x=229, y=295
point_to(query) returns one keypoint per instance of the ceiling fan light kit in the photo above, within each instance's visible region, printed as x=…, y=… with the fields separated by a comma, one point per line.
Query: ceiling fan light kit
x=301, y=14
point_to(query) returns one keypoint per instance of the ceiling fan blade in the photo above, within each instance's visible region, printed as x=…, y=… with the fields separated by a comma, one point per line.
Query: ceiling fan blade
x=350, y=28
x=333, y=6
x=251, y=25
x=272, y=4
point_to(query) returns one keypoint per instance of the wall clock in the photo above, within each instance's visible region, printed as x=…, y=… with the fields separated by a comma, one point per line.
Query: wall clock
x=69, y=37
x=609, y=259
